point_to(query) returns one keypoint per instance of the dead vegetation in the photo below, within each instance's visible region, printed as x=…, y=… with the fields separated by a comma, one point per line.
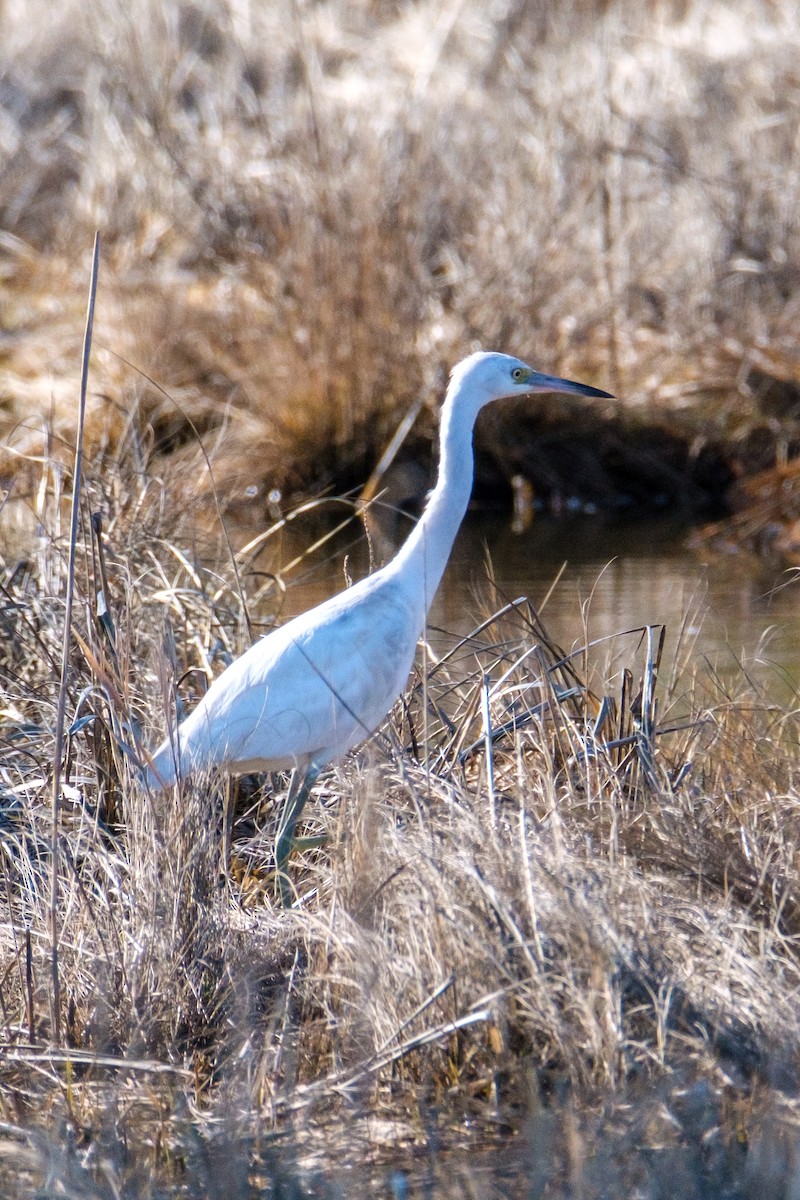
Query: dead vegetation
x=309, y=211
x=557, y=908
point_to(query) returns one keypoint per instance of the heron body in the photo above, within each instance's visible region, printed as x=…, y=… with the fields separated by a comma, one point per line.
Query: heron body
x=310, y=691
x=306, y=693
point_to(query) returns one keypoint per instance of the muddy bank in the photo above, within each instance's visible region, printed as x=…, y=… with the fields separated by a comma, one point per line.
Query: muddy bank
x=557, y=457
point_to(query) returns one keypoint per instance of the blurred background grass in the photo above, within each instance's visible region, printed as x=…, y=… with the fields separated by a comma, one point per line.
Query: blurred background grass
x=310, y=210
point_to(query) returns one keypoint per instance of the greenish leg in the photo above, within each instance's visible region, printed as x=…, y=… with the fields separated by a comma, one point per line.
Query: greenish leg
x=228, y=813
x=310, y=843
x=293, y=805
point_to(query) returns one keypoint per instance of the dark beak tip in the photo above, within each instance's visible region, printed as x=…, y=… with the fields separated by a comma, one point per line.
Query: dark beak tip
x=596, y=393
x=599, y=394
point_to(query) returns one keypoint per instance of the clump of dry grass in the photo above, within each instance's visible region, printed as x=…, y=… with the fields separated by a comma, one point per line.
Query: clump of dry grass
x=557, y=905
x=307, y=212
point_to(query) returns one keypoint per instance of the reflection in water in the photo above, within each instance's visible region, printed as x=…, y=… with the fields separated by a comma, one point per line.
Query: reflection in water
x=624, y=576
x=620, y=576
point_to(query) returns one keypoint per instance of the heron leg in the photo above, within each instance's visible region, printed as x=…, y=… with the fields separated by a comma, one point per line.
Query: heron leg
x=299, y=788
x=228, y=814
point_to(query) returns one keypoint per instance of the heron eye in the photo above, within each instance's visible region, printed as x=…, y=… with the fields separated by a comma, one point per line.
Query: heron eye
x=518, y=374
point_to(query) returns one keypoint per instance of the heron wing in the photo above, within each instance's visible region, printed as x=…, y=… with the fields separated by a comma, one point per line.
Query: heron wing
x=310, y=690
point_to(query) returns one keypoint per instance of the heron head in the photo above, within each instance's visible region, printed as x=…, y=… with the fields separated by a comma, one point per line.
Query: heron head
x=484, y=377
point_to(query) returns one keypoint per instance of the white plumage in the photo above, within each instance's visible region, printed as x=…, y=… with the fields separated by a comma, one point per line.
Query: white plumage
x=308, y=692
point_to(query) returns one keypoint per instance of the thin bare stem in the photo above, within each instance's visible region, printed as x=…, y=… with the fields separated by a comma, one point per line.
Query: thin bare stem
x=55, y=996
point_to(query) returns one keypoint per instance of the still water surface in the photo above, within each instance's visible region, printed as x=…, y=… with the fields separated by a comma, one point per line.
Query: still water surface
x=620, y=575
x=631, y=575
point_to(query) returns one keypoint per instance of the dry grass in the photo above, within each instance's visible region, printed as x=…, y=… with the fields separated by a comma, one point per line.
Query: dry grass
x=557, y=912
x=573, y=930
x=308, y=212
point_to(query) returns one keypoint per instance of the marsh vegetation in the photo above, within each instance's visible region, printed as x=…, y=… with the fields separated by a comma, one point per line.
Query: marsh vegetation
x=557, y=906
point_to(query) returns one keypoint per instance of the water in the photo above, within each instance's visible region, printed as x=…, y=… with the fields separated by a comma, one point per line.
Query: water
x=613, y=576
x=624, y=576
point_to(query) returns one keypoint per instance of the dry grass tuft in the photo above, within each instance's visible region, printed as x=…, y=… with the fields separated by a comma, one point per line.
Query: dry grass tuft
x=557, y=908
x=557, y=905
x=309, y=212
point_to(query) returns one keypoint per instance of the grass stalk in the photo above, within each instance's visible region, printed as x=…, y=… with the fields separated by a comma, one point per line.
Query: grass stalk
x=61, y=705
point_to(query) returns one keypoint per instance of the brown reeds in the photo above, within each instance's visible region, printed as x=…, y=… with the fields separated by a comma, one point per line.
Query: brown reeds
x=557, y=891
x=308, y=214
x=553, y=904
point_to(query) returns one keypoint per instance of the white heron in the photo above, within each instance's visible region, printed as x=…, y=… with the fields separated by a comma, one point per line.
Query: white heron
x=310, y=691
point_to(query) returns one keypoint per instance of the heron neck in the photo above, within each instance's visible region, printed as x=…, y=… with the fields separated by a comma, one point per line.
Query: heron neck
x=423, y=557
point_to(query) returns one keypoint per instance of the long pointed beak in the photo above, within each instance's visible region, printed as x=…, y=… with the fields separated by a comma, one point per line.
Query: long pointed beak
x=551, y=383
